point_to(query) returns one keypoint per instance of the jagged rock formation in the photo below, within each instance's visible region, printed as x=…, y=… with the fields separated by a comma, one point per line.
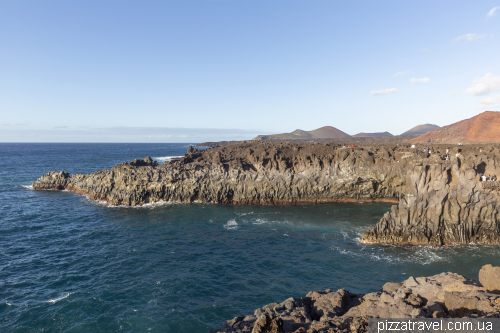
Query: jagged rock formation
x=485, y=127
x=444, y=295
x=371, y=135
x=439, y=201
x=253, y=173
x=421, y=129
x=326, y=132
x=444, y=203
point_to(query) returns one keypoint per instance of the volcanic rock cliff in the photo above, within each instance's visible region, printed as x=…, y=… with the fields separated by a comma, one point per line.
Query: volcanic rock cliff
x=439, y=201
x=444, y=203
x=254, y=173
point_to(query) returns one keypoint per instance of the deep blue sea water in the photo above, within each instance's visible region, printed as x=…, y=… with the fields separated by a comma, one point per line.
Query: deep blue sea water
x=68, y=264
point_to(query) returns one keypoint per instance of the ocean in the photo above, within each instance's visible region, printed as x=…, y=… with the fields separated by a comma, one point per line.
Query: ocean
x=68, y=264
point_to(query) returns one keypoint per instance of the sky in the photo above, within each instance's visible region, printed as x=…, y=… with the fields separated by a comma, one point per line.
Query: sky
x=210, y=70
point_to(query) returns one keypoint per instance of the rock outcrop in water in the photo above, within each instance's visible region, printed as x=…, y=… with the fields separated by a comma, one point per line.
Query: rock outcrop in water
x=439, y=201
x=445, y=295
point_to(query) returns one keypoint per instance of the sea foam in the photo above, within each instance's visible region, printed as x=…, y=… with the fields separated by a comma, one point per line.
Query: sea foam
x=57, y=299
x=231, y=225
x=165, y=158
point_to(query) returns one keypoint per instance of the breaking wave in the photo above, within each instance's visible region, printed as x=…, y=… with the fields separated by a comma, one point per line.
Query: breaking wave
x=57, y=299
x=165, y=158
x=231, y=225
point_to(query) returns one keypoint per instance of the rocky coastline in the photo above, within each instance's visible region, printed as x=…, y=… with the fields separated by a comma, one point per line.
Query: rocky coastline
x=445, y=295
x=438, y=201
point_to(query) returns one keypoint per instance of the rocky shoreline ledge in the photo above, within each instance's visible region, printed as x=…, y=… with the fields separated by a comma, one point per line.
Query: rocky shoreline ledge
x=439, y=201
x=445, y=295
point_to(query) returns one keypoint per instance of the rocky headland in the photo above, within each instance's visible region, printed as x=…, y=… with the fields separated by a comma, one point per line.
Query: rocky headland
x=438, y=201
x=445, y=295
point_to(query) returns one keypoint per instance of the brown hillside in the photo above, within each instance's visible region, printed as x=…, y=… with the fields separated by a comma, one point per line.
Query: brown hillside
x=326, y=132
x=485, y=127
x=421, y=129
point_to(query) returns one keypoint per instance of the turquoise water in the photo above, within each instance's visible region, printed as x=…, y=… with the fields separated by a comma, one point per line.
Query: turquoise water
x=68, y=264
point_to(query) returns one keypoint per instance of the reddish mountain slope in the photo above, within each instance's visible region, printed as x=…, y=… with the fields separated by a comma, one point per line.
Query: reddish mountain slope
x=485, y=127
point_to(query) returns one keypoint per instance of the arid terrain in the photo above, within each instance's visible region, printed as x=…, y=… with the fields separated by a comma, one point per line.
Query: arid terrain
x=485, y=127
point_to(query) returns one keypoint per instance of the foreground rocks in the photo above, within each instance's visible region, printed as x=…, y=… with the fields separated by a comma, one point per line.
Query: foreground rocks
x=439, y=201
x=444, y=295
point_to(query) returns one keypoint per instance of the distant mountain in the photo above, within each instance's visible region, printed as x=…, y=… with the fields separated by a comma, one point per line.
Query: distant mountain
x=485, y=127
x=326, y=132
x=372, y=135
x=421, y=129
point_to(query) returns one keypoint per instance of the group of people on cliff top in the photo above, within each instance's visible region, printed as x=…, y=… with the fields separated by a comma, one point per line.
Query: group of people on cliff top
x=487, y=178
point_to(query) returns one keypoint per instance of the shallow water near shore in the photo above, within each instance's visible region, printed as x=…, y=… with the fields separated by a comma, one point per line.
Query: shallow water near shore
x=68, y=264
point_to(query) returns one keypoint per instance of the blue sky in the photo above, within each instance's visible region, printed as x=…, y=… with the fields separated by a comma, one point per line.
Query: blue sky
x=181, y=71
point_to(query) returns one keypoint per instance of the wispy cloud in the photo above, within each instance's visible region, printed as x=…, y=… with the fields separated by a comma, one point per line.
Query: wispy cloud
x=383, y=91
x=471, y=37
x=60, y=126
x=422, y=80
x=484, y=85
x=453, y=92
x=486, y=102
x=401, y=73
x=20, y=124
x=492, y=12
